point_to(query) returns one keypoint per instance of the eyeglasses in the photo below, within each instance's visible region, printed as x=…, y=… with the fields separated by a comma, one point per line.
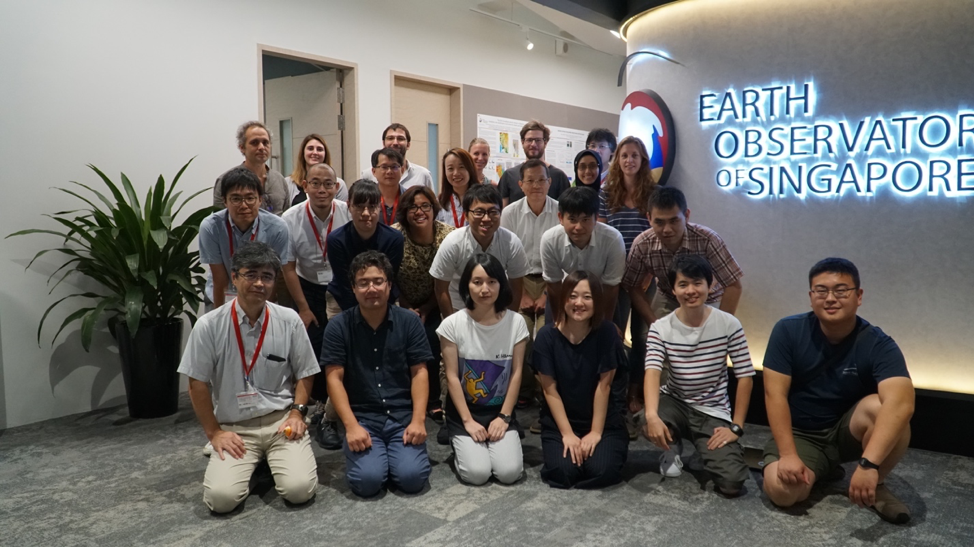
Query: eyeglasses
x=252, y=277
x=602, y=146
x=237, y=200
x=315, y=185
x=424, y=207
x=364, y=284
x=492, y=213
x=822, y=293
x=540, y=182
x=533, y=141
x=388, y=167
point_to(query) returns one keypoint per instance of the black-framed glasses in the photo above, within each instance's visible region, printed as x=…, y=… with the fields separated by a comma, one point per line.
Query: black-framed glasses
x=822, y=293
x=237, y=200
x=252, y=277
x=424, y=207
x=492, y=213
x=531, y=182
x=533, y=141
x=393, y=167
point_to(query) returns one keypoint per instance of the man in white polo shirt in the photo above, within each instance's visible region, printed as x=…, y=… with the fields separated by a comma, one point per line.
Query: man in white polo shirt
x=308, y=273
x=482, y=208
x=582, y=243
x=253, y=359
x=529, y=218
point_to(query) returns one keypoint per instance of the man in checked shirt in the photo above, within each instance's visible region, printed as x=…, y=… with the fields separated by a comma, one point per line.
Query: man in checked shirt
x=671, y=234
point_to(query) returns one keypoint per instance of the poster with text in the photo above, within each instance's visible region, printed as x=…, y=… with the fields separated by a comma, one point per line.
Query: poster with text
x=504, y=137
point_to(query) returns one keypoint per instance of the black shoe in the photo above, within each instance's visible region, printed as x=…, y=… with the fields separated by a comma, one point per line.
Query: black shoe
x=437, y=415
x=443, y=435
x=536, y=427
x=522, y=403
x=327, y=436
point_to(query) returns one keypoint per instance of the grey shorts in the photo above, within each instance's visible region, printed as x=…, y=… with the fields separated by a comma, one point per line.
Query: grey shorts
x=822, y=450
x=726, y=464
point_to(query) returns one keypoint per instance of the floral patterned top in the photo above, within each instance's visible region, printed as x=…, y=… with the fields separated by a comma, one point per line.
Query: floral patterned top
x=414, y=281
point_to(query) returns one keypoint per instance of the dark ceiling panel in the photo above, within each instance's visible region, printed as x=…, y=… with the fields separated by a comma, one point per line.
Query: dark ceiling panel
x=280, y=67
x=604, y=13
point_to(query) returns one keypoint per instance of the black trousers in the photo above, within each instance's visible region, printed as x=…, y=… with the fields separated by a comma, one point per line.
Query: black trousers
x=315, y=295
x=603, y=469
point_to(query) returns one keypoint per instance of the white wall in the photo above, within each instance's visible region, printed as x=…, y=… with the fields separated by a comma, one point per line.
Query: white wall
x=141, y=87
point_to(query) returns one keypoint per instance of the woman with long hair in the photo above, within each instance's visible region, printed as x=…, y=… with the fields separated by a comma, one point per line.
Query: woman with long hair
x=581, y=364
x=313, y=151
x=624, y=205
x=458, y=174
x=483, y=352
x=422, y=238
x=480, y=152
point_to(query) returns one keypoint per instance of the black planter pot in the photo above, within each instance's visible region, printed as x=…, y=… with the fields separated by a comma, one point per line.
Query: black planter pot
x=149, y=363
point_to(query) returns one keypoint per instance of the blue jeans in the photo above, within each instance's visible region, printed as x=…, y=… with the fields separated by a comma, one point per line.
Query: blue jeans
x=407, y=465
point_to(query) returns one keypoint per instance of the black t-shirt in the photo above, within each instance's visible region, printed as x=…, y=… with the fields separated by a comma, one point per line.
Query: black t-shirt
x=826, y=379
x=509, y=189
x=576, y=369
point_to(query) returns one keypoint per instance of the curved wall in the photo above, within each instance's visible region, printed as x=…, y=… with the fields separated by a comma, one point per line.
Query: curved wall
x=863, y=61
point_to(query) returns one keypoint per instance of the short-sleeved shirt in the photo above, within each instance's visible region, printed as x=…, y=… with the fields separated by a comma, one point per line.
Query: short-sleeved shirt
x=510, y=190
x=415, y=283
x=604, y=256
x=529, y=227
x=827, y=380
x=306, y=251
x=459, y=247
x=344, y=244
x=452, y=215
x=576, y=369
x=630, y=222
x=414, y=175
x=648, y=257
x=275, y=192
x=485, y=363
x=296, y=195
x=377, y=362
x=214, y=241
x=698, y=359
x=212, y=356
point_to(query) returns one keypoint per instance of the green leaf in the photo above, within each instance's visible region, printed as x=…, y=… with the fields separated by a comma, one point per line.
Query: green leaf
x=160, y=237
x=70, y=319
x=133, y=309
x=89, y=321
x=150, y=278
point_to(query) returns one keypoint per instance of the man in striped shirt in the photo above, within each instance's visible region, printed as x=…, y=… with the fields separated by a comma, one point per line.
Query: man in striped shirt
x=694, y=342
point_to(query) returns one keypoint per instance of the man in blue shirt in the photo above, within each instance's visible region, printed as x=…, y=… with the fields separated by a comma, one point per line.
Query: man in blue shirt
x=374, y=355
x=836, y=390
x=363, y=233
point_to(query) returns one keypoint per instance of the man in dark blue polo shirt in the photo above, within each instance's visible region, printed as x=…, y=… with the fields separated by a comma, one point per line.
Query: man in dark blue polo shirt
x=363, y=233
x=374, y=355
x=836, y=389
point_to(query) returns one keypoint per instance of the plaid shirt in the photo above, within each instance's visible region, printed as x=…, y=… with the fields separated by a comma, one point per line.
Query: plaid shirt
x=648, y=257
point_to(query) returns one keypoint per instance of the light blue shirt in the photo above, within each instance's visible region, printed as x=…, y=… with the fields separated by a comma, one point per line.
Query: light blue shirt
x=215, y=246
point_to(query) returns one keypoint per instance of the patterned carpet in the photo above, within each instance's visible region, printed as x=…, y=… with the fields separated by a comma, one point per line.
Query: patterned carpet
x=103, y=479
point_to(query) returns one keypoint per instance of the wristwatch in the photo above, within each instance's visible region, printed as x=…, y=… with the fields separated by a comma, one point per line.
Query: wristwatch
x=505, y=417
x=737, y=430
x=868, y=464
x=303, y=409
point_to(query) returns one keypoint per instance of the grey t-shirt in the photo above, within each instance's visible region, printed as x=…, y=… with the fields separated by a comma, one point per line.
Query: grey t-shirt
x=509, y=189
x=275, y=193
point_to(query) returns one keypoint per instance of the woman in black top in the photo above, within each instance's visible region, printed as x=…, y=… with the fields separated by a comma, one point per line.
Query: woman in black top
x=583, y=433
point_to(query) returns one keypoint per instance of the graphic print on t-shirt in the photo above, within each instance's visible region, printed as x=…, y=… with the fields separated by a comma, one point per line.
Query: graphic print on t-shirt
x=485, y=382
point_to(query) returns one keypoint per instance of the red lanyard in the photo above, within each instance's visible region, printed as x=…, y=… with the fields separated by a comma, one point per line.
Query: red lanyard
x=260, y=342
x=230, y=233
x=392, y=217
x=457, y=222
x=321, y=245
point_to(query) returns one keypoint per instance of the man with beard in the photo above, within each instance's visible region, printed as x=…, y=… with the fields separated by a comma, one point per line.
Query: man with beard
x=397, y=137
x=254, y=142
x=534, y=139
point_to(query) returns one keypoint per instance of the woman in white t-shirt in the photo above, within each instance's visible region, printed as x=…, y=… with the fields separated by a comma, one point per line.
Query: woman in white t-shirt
x=483, y=352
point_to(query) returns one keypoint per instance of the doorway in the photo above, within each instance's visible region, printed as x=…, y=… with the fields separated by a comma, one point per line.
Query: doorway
x=431, y=109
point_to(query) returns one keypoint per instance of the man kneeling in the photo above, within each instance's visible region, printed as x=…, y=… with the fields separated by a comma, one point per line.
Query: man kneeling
x=837, y=390
x=693, y=343
x=249, y=354
x=375, y=358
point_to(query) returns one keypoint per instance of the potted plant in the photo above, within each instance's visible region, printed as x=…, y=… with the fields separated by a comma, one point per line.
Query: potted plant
x=140, y=257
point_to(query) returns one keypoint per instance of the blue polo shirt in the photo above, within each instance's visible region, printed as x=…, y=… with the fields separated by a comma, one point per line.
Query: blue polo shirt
x=214, y=242
x=826, y=379
x=344, y=244
x=377, y=361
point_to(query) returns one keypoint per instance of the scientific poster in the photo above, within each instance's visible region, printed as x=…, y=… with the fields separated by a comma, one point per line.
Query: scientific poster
x=504, y=137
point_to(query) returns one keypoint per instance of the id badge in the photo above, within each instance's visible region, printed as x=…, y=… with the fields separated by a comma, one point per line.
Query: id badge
x=248, y=398
x=322, y=277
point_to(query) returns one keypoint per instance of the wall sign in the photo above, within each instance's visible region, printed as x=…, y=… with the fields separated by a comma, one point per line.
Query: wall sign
x=772, y=142
x=645, y=115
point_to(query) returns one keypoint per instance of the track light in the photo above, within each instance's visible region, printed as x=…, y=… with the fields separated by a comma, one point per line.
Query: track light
x=527, y=39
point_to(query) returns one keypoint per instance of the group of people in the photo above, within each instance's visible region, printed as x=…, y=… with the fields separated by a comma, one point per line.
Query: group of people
x=463, y=305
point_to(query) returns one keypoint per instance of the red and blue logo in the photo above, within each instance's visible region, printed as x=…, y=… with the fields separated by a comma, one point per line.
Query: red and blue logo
x=645, y=115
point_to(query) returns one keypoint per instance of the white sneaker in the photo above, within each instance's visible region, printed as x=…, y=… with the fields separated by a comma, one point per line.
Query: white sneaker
x=670, y=464
x=208, y=450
